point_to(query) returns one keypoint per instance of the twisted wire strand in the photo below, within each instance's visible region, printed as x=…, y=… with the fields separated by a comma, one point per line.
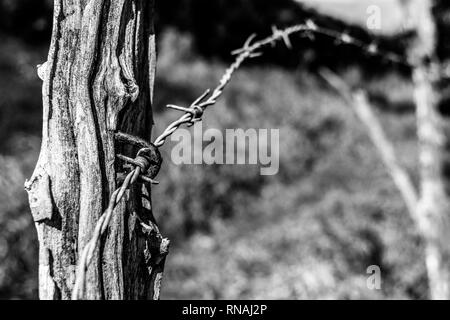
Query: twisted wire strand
x=195, y=112
x=87, y=254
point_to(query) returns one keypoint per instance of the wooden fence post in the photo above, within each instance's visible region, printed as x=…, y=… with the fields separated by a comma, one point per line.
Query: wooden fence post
x=98, y=80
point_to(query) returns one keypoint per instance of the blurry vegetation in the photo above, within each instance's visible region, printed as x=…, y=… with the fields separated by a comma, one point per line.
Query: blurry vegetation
x=20, y=125
x=312, y=230
x=309, y=232
x=31, y=20
x=442, y=14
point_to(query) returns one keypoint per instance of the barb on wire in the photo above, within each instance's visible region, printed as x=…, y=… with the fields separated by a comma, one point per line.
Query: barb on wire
x=251, y=50
x=146, y=166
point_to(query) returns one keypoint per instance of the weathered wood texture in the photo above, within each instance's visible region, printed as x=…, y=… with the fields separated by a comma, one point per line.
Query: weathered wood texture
x=431, y=95
x=98, y=79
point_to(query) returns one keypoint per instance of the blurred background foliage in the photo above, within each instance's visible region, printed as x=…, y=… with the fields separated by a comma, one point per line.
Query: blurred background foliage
x=309, y=232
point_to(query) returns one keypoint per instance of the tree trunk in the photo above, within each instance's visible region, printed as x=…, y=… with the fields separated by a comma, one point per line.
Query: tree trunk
x=434, y=144
x=98, y=80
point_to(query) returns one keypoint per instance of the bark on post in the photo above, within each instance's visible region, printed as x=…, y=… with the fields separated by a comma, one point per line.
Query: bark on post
x=98, y=79
x=434, y=144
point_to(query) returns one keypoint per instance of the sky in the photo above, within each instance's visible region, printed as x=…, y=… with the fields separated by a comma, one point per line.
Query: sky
x=355, y=11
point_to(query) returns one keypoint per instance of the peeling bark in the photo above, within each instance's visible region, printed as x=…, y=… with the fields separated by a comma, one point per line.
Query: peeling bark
x=98, y=79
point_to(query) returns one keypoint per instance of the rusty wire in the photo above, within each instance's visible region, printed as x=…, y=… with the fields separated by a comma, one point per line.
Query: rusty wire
x=195, y=111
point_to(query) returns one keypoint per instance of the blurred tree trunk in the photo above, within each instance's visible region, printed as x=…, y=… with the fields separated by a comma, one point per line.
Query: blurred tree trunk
x=98, y=79
x=434, y=144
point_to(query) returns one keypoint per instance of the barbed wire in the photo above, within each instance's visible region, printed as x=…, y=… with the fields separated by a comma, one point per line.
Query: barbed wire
x=143, y=162
x=195, y=111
